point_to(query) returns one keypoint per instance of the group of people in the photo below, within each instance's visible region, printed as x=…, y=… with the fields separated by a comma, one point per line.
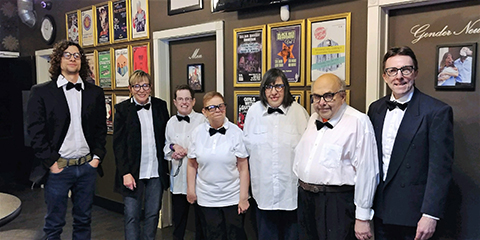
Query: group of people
x=324, y=176
x=455, y=72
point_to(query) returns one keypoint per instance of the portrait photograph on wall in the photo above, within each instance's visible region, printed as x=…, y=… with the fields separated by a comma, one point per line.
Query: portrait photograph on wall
x=109, y=107
x=183, y=6
x=195, y=76
x=328, y=46
x=121, y=66
x=455, y=68
x=139, y=25
x=88, y=30
x=249, y=56
x=286, y=49
x=119, y=21
x=242, y=101
x=92, y=67
x=71, y=19
x=140, y=57
x=102, y=24
x=104, y=64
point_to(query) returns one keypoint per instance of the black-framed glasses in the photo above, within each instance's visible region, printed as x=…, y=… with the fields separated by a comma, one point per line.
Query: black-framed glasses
x=68, y=55
x=406, y=70
x=278, y=87
x=327, y=97
x=137, y=87
x=213, y=108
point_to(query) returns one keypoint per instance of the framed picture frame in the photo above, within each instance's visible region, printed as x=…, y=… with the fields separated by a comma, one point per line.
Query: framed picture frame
x=298, y=96
x=119, y=21
x=217, y=6
x=104, y=68
x=183, y=6
x=140, y=53
x=347, y=96
x=121, y=96
x=328, y=46
x=121, y=65
x=242, y=101
x=286, y=48
x=455, y=66
x=109, y=107
x=138, y=19
x=92, y=67
x=195, y=76
x=249, y=56
x=102, y=13
x=73, y=30
x=87, y=27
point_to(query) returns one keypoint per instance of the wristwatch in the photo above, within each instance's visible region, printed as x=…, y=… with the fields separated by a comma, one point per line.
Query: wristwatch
x=171, y=147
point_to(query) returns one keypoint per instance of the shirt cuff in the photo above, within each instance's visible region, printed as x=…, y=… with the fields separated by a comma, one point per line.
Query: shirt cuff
x=97, y=157
x=430, y=216
x=364, y=213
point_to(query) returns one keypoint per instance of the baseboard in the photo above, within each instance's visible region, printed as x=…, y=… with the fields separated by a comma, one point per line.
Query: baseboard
x=108, y=204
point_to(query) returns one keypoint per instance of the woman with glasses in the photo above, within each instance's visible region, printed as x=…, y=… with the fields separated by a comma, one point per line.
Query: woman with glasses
x=217, y=172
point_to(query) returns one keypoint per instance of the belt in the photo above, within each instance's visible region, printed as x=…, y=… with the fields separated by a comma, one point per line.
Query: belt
x=65, y=162
x=316, y=188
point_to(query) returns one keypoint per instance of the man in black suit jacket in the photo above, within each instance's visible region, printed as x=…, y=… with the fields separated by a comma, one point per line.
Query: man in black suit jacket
x=67, y=123
x=414, y=135
x=138, y=142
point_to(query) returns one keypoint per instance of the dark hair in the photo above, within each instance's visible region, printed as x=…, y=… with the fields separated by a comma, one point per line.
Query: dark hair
x=184, y=87
x=56, y=60
x=139, y=74
x=269, y=78
x=403, y=51
x=208, y=96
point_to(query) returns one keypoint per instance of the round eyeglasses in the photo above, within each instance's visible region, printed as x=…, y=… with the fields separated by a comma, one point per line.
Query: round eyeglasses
x=405, y=70
x=137, y=87
x=68, y=55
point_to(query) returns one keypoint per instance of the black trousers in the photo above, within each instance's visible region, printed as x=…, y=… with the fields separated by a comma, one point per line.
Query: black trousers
x=326, y=216
x=394, y=232
x=181, y=208
x=223, y=223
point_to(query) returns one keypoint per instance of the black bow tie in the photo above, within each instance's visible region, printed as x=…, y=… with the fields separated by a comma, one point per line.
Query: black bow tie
x=221, y=130
x=77, y=86
x=321, y=124
x=272, y=110
x=186, y=118
x=140, y=107
x=392, y=105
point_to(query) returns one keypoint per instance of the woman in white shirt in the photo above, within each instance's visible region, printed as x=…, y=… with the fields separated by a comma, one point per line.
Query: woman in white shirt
x=217, y=172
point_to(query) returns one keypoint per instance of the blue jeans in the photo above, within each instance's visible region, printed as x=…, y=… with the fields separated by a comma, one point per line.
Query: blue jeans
x=81, y=181
x=149, y=192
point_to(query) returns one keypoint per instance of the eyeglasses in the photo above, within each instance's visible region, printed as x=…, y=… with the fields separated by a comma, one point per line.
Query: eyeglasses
x=137, y=87
x=406, y=70
x=213, y=108
x=68, y=55
x=327, y=97
x=278, y=87
x=187, y=99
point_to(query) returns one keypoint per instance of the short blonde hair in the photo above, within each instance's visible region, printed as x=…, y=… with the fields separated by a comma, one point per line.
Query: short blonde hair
x=211, y=95
x=138, y=76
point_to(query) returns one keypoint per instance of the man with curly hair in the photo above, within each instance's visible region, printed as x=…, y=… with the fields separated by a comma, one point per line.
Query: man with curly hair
x=66, y=122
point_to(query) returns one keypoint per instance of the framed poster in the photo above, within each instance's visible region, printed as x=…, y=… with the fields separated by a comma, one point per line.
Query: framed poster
x=92, y=67
x=109, y=107
x=119, y=21
x=121, y=96
x=71, y=20
x=140, y=57
x=88, y=29
x=139, y=24
x=242, y=101
x=102, y=26
x=249, y=56
x=347, y=96
x=182, y=6
x=298, y=96
x=195, y=77
x=308, y=101
x=286, y=49
x=455, y=69
x=121, y=67
x=328, y=46
x=104, y=63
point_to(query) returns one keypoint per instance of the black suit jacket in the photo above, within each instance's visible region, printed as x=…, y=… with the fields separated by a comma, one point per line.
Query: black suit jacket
x=420, y=172
x=127, y=141
x=48, y=119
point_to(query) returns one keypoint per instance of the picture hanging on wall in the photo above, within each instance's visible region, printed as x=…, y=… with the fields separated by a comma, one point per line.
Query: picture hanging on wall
x=121, y=67
x=104, y=64
x=139, y=24
x=88, y=30
x=249, y=56
x=455, y=66
x=92, y=67
x=119, y=21
x=195, y=77
x=102, y=12
x=328, y=46
x=298, y=96
x=286, y=49
x=121, y=96
x=109, y=107
x=71, y=19
x=243, y=100
x=140, y=57
x=183, y=6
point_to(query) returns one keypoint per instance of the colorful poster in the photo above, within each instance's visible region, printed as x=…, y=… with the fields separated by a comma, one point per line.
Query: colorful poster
x=249, y=50
x=103, y=30
x=109, y=107
x=121, y=68
x=139, y=16
x=285, y=51
x=140, y=58
x=104, y=69
x=87, y=28
x=119, y=20
x=243, y=101
x=72, y=26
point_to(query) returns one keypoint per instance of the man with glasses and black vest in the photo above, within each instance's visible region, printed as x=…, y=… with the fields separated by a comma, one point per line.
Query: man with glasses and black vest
x=414, y=135
x=66, y=120
x=336, y=165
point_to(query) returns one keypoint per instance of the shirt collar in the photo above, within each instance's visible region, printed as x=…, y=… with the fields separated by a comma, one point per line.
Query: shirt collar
x=62, y=81
x=338, y=116
x=133, y=100
x=406, y=98
x=225, y=125
x=265, y=109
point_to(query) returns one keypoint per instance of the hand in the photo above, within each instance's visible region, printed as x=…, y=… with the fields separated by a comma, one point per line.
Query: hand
x=362, y=229
x=94, y=163
x=191, y=197
x=178, y=156
x=129, y=181
x=243, y=206
x=425, y=228
x=54, y=168
x=179, y=153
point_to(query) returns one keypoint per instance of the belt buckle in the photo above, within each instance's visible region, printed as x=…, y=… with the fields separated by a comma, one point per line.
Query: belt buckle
x=315, y=189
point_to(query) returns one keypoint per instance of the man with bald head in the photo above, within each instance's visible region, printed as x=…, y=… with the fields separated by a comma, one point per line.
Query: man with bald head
x=335, y=162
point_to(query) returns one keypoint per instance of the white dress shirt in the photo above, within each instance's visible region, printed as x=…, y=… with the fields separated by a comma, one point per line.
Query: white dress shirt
x=218, y=178
x=148, y=157
x=343, y=155
x=270, y=140
x=179, y=132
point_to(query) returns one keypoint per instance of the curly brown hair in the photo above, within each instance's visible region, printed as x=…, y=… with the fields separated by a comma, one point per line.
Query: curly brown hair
x=56, y=59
